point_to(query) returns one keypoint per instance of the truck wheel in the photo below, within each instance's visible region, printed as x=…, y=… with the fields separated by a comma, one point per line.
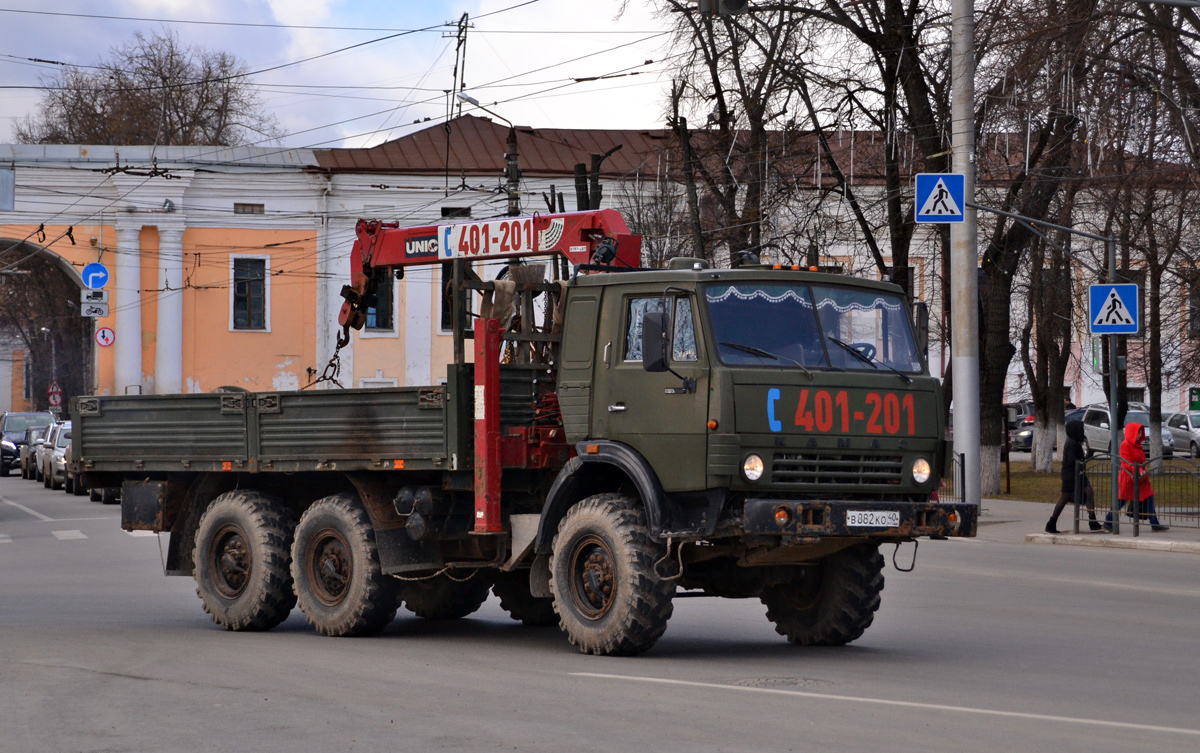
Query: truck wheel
x=441, y=598
x=68, y=484
x=335, y=564
x=513, y=591
x=834, y=604
x=243, y=549
x=111, y=495
x=95, y=495
x=609, y=598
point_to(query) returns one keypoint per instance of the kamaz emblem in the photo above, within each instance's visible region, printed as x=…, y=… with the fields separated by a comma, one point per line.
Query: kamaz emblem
x=419, y=248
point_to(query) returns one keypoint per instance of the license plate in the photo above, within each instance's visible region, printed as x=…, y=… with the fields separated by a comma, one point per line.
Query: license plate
x=873, y=518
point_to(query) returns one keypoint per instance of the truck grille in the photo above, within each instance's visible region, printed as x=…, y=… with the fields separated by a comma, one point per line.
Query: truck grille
x=823, y=468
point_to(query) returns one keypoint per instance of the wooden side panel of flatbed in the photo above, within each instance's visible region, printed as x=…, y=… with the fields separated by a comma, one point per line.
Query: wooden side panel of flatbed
x=342, y=430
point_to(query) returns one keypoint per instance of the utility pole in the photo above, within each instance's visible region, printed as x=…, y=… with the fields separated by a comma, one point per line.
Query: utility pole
x=512, y=170
x=964, y=254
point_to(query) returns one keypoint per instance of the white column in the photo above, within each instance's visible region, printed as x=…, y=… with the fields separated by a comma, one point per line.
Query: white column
x=168, y=348
x=127, y=303
x=418, y=324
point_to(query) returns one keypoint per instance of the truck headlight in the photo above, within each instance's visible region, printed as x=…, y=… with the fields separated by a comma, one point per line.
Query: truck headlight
x=752, y=467
x=921, y=470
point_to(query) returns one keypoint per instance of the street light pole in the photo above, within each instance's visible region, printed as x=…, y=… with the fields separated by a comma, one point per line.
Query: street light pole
x=512, y=167
x=964, y=255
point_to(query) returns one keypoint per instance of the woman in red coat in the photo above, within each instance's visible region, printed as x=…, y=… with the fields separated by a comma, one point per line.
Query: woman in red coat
x=1133, y=462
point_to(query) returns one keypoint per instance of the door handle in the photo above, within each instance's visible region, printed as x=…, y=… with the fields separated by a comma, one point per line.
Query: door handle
x=618, y=408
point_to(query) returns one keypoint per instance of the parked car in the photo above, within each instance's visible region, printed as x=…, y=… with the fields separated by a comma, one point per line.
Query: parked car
x=56, y=467
x=14, y=427
x=34, y=436
x=71, y=483
x=1096, y=433
x=1021, y=440
x=39, y=458
x=1018, y=414
x=1185, y=428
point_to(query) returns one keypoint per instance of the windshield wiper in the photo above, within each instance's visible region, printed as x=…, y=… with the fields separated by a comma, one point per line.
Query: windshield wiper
x=764, y=354
x=868, y=360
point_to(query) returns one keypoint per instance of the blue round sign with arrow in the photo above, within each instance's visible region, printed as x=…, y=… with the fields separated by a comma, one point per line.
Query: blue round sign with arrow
x=95, y=275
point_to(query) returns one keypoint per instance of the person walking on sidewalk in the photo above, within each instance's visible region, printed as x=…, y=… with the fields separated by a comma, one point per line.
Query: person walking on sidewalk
x=1072, y=455
x=1134, y=483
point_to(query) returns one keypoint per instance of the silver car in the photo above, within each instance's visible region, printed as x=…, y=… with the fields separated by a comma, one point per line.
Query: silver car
x=1185, y=428
x=1096, y=435
x=42, y=451
x=56, y=465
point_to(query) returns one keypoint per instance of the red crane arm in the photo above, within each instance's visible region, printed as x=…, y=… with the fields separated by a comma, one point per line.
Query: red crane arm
x=599, y=236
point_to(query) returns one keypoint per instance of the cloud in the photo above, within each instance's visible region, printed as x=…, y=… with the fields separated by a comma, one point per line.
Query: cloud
x=418, y=66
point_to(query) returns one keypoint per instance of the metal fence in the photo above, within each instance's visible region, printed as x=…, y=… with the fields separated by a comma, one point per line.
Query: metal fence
x=1175, y=483
x=951, y=488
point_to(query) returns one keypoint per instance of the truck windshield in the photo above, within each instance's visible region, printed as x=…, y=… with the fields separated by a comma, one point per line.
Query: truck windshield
x=790, y=325
x=869, y=322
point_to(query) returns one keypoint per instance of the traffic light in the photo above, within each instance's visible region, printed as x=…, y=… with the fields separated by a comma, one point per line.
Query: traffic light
x=725, y=7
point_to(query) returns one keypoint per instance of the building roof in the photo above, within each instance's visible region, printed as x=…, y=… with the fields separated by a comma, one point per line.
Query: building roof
x=477, y=147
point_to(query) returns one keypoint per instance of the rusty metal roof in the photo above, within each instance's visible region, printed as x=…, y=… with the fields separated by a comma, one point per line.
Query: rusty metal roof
x=477, y=146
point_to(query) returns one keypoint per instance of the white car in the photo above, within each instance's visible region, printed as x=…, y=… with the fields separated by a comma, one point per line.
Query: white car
x=1185, y=428
x=1096, y=432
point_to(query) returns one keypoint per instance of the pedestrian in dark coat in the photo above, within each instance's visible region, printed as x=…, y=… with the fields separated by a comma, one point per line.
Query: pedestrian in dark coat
x=1072, y=456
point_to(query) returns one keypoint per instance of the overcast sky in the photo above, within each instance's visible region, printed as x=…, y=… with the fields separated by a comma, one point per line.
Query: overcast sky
x=527, y=54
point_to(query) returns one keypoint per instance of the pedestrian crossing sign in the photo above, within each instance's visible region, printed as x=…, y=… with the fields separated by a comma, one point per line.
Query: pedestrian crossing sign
x=941, y=197
x=1113, y=309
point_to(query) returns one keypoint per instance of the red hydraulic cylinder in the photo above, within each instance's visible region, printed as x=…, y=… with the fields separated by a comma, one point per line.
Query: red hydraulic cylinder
x=487, y=426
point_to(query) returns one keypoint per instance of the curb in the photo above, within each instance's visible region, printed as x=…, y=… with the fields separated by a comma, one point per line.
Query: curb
x=1111, y=542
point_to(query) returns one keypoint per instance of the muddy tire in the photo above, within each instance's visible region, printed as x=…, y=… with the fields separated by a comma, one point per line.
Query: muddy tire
x=609, y=599
x=96, y=495
x=111, y=495
x=513, y=591
x=834, y=604
x=68, y=484
x=242, y=557
x=335, y=565
x=442, y=598
x=77, y=488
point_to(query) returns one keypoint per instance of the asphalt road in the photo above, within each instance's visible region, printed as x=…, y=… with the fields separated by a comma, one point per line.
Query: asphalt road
x=990, y=645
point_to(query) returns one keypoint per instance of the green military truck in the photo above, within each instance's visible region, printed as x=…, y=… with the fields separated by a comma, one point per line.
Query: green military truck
x=617, y=437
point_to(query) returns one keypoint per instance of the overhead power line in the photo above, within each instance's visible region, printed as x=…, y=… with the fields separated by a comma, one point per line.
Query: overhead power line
x=280, y=66
x=264, y=25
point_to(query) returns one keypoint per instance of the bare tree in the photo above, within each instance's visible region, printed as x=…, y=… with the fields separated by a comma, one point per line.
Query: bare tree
x=151, y=90
x=55, y=339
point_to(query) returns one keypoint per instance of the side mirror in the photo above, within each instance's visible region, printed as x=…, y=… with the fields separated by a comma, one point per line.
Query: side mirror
x=1103, y=425
x=921, y=321
x=654, y=341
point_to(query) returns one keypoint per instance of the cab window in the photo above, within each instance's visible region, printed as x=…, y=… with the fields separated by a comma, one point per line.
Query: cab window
x=681, y=326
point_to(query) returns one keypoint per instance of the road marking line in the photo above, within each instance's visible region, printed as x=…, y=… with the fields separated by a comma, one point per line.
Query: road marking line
x=904, y=704
x=1009, y=575
x=34, y=513
x=141, y=533
x=5, y=538
x=68, y=535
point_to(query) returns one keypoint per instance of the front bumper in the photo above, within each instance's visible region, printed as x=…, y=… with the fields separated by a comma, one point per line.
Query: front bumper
x=830, y=518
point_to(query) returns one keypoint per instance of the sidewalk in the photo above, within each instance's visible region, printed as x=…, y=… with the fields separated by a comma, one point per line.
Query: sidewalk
x=1012, y=521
